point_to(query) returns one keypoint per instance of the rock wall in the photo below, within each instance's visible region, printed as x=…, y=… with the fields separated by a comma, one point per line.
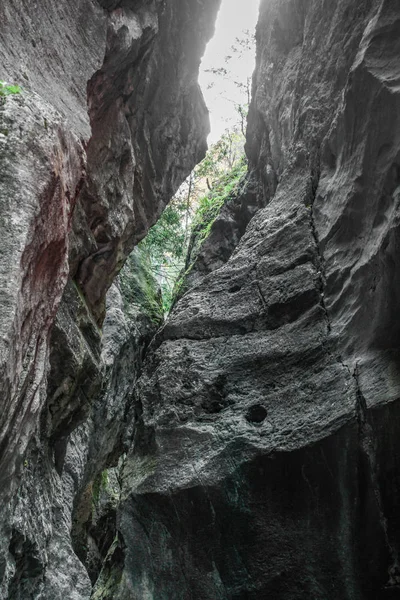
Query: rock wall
x=266, y=462
x=110, y=121
x=257, y=455
x=207, y=253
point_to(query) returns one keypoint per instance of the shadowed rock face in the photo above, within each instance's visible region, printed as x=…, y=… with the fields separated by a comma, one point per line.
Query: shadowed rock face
x=149, y=125
x=110, y=122
x=266, y=464
x=206, y=256
x=42, y=170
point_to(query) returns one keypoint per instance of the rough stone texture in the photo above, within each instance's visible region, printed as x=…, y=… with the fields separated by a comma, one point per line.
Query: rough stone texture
x=258, y=456
x=42, y=166
x=59, y=533
x=53, y=49
x=207, y=255
x=266, y=463
x=149, y=125
x=111, y=120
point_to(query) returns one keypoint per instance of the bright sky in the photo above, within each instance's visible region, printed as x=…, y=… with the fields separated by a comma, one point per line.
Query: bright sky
x=221, y=93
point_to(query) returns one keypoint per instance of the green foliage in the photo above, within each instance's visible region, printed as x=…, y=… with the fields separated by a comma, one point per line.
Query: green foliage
x=167, y=236
x=7, y=89
x=165, y=247
x=96, y=491
x=180, y=283
x=100, y=485
x=223, y=190
x=138, y=286
x=163, y=250
x=222, y=156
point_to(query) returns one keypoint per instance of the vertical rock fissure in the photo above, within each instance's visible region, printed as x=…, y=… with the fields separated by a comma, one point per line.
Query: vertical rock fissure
x=319, y=262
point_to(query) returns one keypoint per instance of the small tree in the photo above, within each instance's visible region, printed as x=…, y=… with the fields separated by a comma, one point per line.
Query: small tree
x=243, y=50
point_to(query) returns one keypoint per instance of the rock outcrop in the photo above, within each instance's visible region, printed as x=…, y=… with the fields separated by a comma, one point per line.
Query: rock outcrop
x=266, y=463
x=110, y=121
x=209, y=252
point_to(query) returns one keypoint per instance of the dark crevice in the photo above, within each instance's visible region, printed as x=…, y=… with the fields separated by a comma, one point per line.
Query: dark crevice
x=261, y=295
x=29, y=568
x=368, y=446
x=256, y=414
x=319, y=259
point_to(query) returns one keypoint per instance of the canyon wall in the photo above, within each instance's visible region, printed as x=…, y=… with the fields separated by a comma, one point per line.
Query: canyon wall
x=109, y=122
x=248, y=448
x=266, y=462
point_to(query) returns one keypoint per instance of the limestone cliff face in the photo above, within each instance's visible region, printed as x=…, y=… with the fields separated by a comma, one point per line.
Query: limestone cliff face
x=248, y=449
x=266, y=463
x=110, y=122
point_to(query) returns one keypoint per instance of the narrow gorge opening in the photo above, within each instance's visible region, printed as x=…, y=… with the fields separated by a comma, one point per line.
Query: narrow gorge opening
x=172, y=245
x=249, y=447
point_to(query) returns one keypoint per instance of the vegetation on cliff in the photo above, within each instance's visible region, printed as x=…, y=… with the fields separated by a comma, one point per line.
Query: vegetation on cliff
x=169, y=247
x=8, y=89
x=192, y=211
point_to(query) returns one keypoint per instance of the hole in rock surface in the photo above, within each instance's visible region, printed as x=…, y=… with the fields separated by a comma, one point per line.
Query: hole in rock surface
x=172, y=244
x=256, y=413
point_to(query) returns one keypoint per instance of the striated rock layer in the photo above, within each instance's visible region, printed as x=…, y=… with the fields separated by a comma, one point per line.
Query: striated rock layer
x=267, y=462
x=109, y=123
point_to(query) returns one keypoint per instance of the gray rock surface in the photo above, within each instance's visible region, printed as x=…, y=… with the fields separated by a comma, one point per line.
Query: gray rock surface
x=60, y=532
x=207, y=255
x=266, y=464
x=109, y=122
x=42, y=166
x=258, y=454
x=149, y=125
